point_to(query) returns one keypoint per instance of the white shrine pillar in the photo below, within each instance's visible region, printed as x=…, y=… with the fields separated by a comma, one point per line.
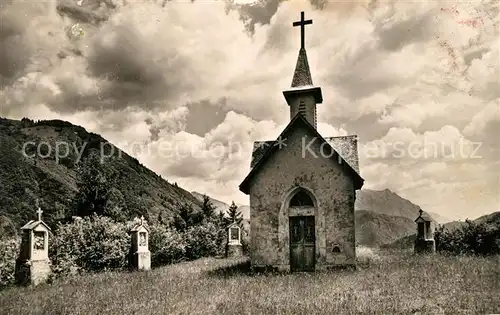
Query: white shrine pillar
x=140, y=256
x=33, y=263
x=424, y=243
x=234, y=247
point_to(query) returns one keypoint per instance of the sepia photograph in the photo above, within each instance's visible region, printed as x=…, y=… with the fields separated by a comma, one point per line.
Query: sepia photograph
x=198, y=157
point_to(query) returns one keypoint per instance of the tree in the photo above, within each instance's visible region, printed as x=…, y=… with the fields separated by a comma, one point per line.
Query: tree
x=222, y=220
x=234, y=214
x=186, y=218
x=207, y=209
x=222, y=226
x=95, y=182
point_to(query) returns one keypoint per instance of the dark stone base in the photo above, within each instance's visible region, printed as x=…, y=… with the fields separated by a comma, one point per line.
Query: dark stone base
x=32, y=272
x=234, y=251
x=424, y=246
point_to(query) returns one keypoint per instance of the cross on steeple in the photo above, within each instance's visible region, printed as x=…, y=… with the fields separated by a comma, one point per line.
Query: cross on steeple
x=142, y=220
x=302, y=23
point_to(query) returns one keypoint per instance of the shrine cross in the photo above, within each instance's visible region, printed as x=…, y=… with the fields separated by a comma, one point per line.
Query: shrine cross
x=39, y=212
x=302, y=23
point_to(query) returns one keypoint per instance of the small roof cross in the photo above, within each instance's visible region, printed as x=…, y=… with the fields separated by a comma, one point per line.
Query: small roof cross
x=142, y=220
x=39, y=212
x=302, y=23
x=420, y=212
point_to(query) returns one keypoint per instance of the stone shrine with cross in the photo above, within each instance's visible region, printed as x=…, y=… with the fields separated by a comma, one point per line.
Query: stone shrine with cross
x=139, y=255
x=424, y=242
x=302, y=187
x=234, y=248
x=33, y=264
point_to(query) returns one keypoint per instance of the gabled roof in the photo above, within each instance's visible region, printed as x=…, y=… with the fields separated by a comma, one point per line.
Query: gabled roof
x=234, y=224
x=346, y=146
x=33, y=224
x=138, y=226
x=424, y=216
x=259, y=149
x=263, y=152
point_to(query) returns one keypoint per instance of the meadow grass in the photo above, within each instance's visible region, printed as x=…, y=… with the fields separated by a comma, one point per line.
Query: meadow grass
x=384, y=283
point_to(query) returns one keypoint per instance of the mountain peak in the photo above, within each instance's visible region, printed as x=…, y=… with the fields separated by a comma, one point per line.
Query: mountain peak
x=385, y=202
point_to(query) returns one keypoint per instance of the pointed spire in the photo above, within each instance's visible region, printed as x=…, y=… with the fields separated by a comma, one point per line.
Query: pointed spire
x=302, y=74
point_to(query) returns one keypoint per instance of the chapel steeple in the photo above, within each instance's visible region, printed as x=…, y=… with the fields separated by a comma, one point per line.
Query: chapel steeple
x=303, y=96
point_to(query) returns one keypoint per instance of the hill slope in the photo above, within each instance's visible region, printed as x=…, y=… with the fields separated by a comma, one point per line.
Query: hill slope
x=390, y=203
x=374, y=229
x=23, y=178
x=491, y=218
x=221, y=206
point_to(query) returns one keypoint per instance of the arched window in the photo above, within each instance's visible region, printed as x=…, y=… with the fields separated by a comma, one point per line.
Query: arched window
x=301, y=198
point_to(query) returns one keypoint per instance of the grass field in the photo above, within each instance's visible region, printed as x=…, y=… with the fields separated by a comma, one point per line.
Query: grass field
x=388, y=283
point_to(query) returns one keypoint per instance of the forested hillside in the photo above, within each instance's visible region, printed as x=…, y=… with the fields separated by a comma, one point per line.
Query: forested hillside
x=136, y=190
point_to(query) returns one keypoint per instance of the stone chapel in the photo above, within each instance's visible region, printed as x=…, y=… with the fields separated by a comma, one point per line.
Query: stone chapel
x=302, y=187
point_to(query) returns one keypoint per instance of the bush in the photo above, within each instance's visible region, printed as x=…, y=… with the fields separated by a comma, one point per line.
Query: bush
x=366, y=255
x=97, y=243
x=167, y=246
x=92, y=243
x=202, y=241
x=9, y=249
x=471, y=238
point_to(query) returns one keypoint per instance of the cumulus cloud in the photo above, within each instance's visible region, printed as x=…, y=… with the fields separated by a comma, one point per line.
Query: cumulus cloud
x=488, y=119
x=402, y=145
x=156, y=75
x=434, y=165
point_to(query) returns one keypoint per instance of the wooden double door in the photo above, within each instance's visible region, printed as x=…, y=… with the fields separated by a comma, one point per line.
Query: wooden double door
x=302, y=243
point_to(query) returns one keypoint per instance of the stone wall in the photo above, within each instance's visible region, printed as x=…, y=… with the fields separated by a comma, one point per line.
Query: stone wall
x=334, y=214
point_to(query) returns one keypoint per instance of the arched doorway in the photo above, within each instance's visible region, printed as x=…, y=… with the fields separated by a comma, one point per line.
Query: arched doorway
x=302, y=231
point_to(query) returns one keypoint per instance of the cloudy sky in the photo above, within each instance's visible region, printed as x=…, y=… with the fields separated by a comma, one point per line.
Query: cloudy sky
x=187, y=86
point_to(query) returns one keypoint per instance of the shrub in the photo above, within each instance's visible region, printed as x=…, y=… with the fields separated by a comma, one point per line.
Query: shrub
x=9, y=249
x=97, y=243
x=202, y=241
x=92, y=243
x=166, y=245
x=471, y=238
x=366, y=255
